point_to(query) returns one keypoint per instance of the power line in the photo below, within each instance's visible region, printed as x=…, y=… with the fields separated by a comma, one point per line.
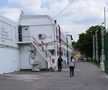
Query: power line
x=63, y=10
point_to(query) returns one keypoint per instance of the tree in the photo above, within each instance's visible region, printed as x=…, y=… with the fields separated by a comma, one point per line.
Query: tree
x=85, y=42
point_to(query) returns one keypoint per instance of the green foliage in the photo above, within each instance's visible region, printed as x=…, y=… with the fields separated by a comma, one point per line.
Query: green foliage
x=85, y=42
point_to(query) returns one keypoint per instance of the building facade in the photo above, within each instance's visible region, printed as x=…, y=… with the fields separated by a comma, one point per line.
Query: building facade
x=48, y=34
x=37, y=39
x=9, y=51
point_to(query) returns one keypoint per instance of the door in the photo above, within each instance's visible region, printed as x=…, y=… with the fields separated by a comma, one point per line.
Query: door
x=25, y=33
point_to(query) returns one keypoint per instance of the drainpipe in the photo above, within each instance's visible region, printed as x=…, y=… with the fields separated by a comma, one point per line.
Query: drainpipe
x=55, y=45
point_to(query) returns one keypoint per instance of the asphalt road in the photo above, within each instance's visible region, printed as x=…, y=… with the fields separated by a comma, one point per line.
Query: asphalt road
x=87, y=77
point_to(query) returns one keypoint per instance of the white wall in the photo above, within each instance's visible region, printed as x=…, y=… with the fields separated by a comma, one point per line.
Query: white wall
x=8, y=32
x=25, y=53
x=48, y=31
x=24, y=57
x=9, y=60
x=9, y=52
x=35, y=20
x=43, y=25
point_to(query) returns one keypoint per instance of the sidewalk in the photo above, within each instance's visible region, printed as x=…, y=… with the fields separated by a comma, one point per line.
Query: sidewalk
x=87, y=77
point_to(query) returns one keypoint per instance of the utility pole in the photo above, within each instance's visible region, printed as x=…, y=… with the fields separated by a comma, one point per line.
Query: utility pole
x=102, y=40
x=103, y=53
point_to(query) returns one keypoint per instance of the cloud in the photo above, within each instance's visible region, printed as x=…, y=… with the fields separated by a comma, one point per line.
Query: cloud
x=75, y=30
x=11, y=13
x=80, y=11
x=76, y=18
x=29, y=3
x=33, y=7
x=83, y=11
x=12, y=1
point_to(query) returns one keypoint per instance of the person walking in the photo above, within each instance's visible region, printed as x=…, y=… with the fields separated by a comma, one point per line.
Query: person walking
x=72, y=66
x=60, y=63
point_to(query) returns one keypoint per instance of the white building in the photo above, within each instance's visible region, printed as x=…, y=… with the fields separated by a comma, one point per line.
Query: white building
x=47, y=33
x=37, y=39
x=9, y=51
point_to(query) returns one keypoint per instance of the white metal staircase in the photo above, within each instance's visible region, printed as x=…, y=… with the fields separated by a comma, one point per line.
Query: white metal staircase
x=44, y=53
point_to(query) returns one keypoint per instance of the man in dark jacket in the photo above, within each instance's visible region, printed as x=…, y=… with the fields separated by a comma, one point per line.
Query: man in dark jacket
x=60, y=63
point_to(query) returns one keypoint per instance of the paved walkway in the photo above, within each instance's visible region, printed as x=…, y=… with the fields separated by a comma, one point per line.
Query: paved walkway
x=87, y=77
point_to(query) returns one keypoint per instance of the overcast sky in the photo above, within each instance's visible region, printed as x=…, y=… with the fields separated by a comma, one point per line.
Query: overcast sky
x=77, y=18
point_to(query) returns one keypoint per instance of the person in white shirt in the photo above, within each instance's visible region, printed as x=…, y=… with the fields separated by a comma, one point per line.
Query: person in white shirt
x=72, y=66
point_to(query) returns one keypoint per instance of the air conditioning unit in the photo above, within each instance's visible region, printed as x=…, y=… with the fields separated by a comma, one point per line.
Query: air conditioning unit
x=41, y=36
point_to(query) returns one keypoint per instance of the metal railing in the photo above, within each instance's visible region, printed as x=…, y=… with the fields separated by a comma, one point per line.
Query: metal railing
x=44, y=52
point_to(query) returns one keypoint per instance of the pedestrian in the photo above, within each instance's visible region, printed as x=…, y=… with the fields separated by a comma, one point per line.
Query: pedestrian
x=72, y=66
x=60, y=63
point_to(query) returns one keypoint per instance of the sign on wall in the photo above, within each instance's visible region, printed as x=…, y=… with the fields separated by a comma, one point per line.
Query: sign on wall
x=7, y=34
